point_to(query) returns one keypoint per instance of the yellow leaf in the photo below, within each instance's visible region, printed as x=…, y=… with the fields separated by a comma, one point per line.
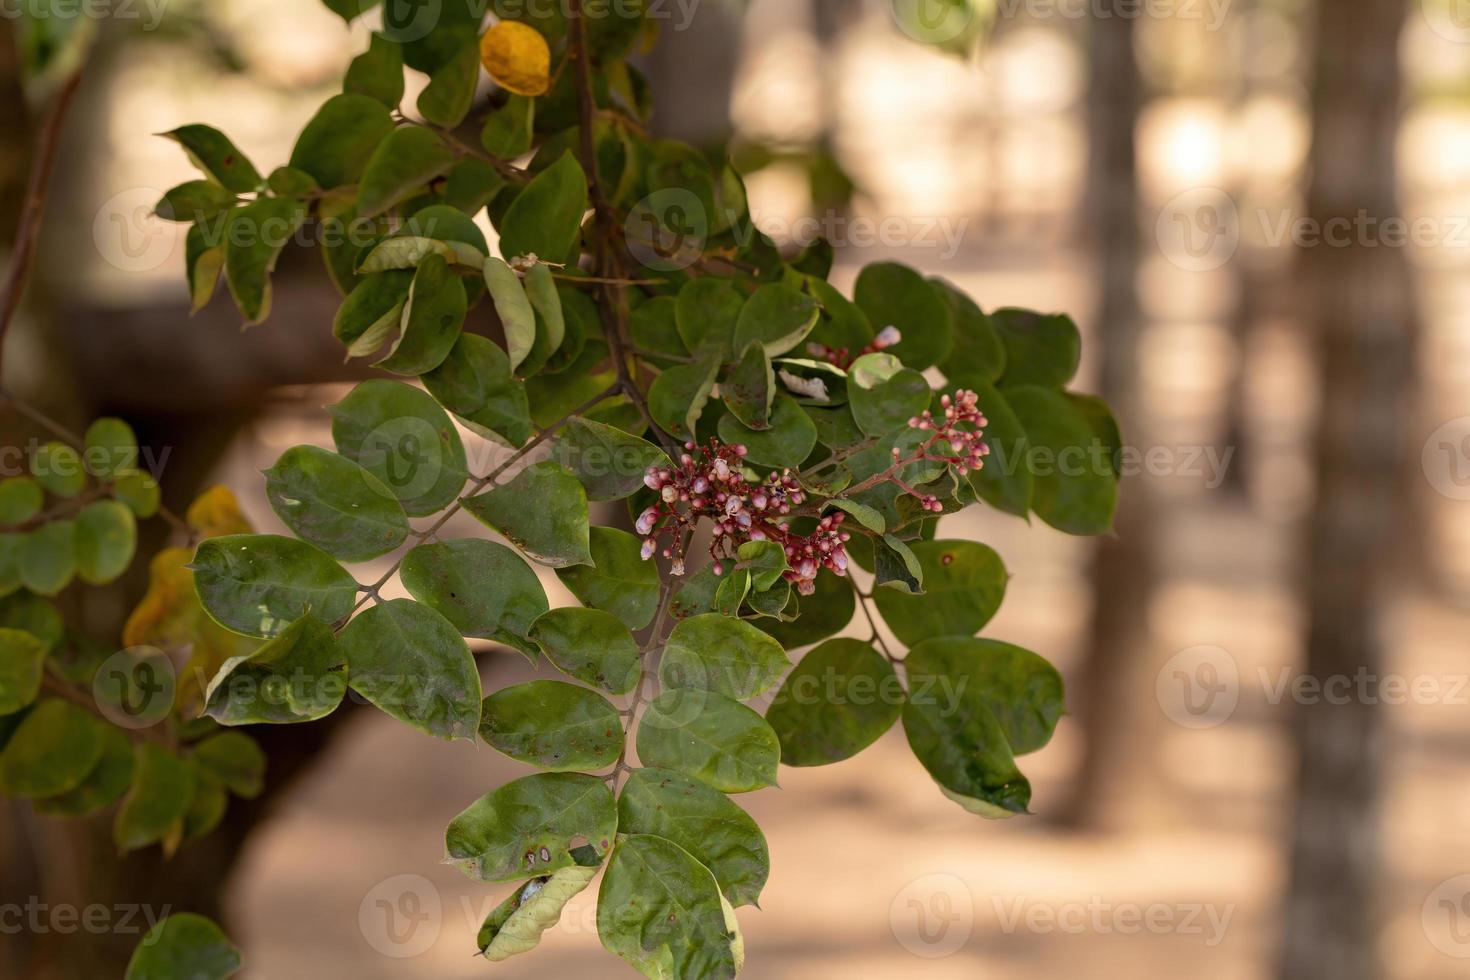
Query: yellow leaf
x=216, y=512
x=170, y=610
x=517, y=57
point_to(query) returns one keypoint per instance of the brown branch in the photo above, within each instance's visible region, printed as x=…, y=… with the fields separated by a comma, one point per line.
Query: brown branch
x=29, y=231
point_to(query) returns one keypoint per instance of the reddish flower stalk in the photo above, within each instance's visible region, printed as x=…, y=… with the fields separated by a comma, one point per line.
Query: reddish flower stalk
x=958, y=440
x=707, y=482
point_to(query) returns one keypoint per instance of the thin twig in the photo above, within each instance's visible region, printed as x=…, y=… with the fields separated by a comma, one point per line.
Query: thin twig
x=29, y=231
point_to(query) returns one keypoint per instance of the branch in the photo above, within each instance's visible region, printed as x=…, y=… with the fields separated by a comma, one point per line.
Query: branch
x=29, y=232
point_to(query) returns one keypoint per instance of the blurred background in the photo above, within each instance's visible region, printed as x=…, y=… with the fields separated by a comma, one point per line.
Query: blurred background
x=1258, y=211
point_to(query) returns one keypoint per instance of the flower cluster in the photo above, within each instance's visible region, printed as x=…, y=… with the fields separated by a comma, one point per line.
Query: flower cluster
x=708, y=482
x=844, y=358
x=958, y=439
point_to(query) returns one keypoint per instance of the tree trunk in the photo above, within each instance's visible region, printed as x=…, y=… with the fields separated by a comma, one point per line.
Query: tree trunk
x=1357, y=300
x=1123, y=565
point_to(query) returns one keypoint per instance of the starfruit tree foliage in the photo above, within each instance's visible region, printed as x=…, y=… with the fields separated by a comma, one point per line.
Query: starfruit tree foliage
x=84, y=725
x=783, y=453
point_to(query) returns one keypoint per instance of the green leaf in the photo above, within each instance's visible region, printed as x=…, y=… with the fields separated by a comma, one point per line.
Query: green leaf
x=843, y=325
x=401, y=436
x=446, y=100
x=678, y=396
x=715, y=653
x=485, y=589
x=543, y=512
x=33, y=615
x=894, y=295
x=591, y=645
x=235, y=760
x=184, y=946
x=377, y=73
x=964, y=583
x=163, y=785
x=897, y=567
x=1104, y=427
x=654, y=327
x=825, y=612
x=516, y=925
x=766, y=562
x=207, y=805
x=529, y=826
x=954, y=733
x=1074, y=486
x=10, y=545
x=553, y=725
x=777, y=316
x=551, y=328
x=372, y=312
x=110, y=447
x=1022, y=690
x=212, y=152
x=661, y=910
x=704, y=822
x=1040, y=349
x=710, y=737
x=48, y=557
x=707, y=312
x=472, y=184
x=413, y=664
x=300, y=675
x=868, y=517
x=884, y=394
x=407, y=251
x=609, y=462
x=52, y=751
x=432, y=319
x=335, y=504
x=787, y=443
x=291, y=182
x=750, y=388
x=617, y=580
x=103, y=786
x=21, y=658
x=106, y=537
x=20, y=499
x=978, y=352
x=254, y=238
x=513, y=307
x=203, y=260
x=336, y=145
x=407, y=159
x=475, y=383
x=545, y=219
x=194, y=200
x=258, y=584
x=839, y=700
x=58, y=468
x=138, y=491
x=508, y=130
